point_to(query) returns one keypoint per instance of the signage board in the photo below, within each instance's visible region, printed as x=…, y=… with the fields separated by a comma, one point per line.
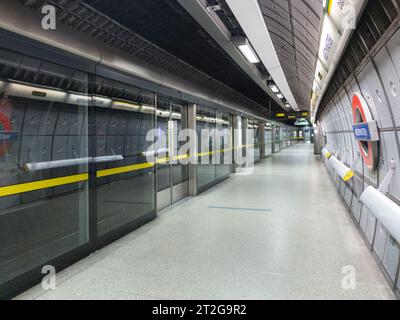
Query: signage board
x=366, y=131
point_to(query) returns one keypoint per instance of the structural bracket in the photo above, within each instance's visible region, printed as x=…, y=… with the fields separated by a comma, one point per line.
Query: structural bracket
x=384, y=187
x=358, y=156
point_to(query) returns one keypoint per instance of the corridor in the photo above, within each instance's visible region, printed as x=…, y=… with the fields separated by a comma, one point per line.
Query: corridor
x=287, y=237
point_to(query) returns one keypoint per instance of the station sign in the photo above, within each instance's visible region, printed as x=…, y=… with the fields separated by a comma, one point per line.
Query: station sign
x=342, y=12
x=8, y=136
x=365, y=131
x=292, y=115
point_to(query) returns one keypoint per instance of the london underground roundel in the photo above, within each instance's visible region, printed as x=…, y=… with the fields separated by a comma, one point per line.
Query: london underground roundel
x=6, y=133
x=365, y=131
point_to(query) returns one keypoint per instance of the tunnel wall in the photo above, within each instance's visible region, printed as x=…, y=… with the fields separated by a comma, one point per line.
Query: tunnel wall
x=378, y=81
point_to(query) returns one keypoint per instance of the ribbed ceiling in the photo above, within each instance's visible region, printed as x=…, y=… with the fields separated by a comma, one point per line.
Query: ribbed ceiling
x=294, y=29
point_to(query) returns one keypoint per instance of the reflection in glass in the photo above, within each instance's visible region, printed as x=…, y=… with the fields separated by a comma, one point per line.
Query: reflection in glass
x=268, y=141
x=224, y=149
x=205, y=126
x=43, y=165
x=125, y=187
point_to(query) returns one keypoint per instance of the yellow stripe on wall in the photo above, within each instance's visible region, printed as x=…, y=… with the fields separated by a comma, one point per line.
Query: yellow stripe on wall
x=42, y=184
x=134, y=167
x=45, y=184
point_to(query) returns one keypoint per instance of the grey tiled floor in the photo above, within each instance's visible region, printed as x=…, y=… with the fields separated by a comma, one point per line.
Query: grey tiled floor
x=294, y=248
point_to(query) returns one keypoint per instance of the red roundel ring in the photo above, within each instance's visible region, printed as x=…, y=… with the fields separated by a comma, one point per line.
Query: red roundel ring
x=6, y=127
x=362, y=113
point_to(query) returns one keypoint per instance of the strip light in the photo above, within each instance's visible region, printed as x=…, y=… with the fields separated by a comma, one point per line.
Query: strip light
x=249, y=54
x=274, y=88
x=245, y=48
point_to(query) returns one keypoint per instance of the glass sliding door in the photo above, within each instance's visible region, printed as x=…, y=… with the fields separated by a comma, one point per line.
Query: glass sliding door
x=277, y=139
x=205, y=126
x=257, y=148
x=253, y=140
x=172, y=174
x=179, y=168
x=215, y=150
x=164, y=176
x=44, y=163
x=268, y=141
x=119, y=127
x=224, y=151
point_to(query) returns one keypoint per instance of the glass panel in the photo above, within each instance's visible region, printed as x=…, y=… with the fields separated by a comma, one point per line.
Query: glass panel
x=125, y=184
x=253, y=140
x=268, y=141
x=205, y=121
x=163, y=134
x=257, y=149
x=180, y=173
x=277, y=139
x=44, y=161
x=224, y=147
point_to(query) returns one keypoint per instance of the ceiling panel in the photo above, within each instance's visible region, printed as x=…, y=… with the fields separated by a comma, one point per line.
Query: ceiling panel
x=294, y=27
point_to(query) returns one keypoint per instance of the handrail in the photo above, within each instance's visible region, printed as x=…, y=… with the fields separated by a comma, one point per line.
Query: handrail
x=36, y=166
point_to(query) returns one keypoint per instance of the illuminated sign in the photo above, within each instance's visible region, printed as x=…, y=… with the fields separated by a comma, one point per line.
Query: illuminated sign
x=365, y=131
x=292, y=116
x=39, y=94
x=330, y=38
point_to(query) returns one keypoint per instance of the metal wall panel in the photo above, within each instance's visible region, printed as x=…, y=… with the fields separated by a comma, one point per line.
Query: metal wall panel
x=391, y=257
x=364, y=219
x=348, y=196
x=370, y=228
x=391, y=82
x=381, y=237
x=368, y=93
x=378, y=96
x=392, y=154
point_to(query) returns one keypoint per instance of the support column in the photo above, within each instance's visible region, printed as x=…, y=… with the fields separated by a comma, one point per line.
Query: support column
x=236, y=141
x=261, y=132
x=245, y=125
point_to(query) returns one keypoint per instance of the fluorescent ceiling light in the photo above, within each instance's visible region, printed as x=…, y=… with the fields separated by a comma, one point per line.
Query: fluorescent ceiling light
x=274, y=88
x=245, y=48
x=280, y=95
x=248, y=53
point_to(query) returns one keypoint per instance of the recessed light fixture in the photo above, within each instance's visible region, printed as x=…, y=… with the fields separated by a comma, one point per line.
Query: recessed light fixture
x=280, y=95
x=245, y=48
x=273, y=87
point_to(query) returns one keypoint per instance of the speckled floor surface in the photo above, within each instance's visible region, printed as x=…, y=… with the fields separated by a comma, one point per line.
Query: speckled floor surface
x=280, y=233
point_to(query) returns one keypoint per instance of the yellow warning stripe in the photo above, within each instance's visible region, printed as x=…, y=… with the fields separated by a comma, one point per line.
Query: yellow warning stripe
x=125, y=169
x=328, y=154
x=330, y=2
x=55, y=182
x=42, y=184
x=348, y=176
